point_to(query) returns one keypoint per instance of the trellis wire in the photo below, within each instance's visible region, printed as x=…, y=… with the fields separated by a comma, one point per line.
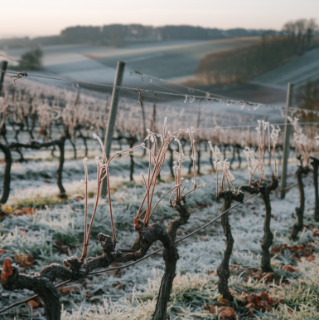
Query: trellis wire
x=254, y=125
x=242, y=103
x=175, y=84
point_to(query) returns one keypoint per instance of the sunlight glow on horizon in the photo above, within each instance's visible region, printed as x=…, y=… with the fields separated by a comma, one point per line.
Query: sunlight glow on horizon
x=36, y=17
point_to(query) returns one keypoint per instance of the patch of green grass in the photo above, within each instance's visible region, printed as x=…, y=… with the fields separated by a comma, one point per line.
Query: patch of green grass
x=39, y=203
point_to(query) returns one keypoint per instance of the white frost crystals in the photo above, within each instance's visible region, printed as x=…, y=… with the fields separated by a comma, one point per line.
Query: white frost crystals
x=256, y=161
x=220, y=163
x=253, y=163
x=303, y=144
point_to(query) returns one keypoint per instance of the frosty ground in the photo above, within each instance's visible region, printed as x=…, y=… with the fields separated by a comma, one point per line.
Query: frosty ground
x=131, y=293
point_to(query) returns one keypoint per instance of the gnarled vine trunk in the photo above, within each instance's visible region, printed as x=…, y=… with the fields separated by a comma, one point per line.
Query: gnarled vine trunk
x=72, y=269
x=299, y=210
x=131, y=140
x=268, y=235
x=41, y=286
x=74, y=148
x=223, y=270
x=7, y=176
x=170, y=256
x=234, y=156
x=315, y=164
x=267, y=240
x=85, y=145
x=238, y=154
x=36, y=146
x=198, y=159
x=59, y=172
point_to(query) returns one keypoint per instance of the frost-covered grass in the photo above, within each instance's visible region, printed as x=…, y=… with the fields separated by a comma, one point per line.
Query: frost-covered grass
x=101, y=296
x=192, y=291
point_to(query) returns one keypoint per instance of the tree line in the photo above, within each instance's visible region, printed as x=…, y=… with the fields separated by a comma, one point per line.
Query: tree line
x=243, y=64
x=120, y=34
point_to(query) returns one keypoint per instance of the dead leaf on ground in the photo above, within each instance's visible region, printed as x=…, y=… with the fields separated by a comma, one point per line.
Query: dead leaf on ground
x=33, y=304
x=265, y=305
x=24, y=260
x=117, y=285
x=227, y=314
x=293, y=248
x=23, y=211
x=265, y=296
x=28, y=211
x=7, y=271
x=289, y=268
x=72, y=288
x=249, y=298
x=211, y=308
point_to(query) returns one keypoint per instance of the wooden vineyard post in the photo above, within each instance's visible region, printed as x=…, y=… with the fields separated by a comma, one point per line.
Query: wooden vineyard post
x=286, y=142
x=4, y=65
x=112, y=116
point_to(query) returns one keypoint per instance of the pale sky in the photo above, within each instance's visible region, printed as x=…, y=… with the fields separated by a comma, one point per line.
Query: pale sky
x=46, y=17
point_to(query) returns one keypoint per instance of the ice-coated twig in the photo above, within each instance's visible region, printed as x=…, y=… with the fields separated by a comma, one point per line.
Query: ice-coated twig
x=102, y=173
x=225, y=166
x=85, y=241
x=274, y=139
x=158, y=156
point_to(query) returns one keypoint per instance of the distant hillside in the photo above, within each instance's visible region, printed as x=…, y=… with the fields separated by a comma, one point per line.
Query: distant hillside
x=243, y=64
x=120, y=35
